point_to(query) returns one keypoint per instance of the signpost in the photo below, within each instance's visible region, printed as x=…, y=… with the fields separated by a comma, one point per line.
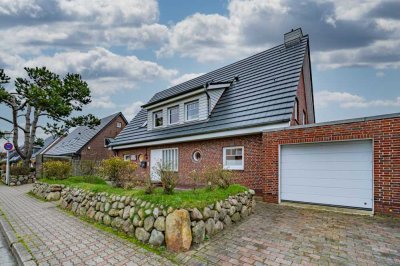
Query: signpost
x=8, y=147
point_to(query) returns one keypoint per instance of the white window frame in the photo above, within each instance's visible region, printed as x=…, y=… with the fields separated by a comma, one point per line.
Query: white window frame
x=127, y=157
x=119, y=124
x=198, y=110
x=168, y=153
x=227, y=167
x=169, y=114
x=154, y=119
x=296, y=109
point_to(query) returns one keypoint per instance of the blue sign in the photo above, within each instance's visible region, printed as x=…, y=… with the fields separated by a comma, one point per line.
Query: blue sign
x=8, y=146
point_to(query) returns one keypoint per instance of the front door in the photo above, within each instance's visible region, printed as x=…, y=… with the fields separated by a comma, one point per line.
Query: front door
x=155, y=159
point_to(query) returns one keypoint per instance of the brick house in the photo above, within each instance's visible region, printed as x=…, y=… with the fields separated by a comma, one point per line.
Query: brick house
x=84, y=143
x=256, y=117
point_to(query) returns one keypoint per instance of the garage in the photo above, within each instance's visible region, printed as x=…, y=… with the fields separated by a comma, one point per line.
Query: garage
x=330, y=173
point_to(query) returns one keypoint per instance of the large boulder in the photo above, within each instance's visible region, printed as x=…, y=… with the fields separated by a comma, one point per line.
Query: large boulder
x=178, y=234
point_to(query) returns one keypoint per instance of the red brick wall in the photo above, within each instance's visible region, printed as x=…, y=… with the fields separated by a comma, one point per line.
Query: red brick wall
x=97, y=150
x=385, y=134
x=301, y=97
x=212, y=151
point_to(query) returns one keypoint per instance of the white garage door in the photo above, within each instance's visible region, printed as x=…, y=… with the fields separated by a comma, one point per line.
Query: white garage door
x=334, y=173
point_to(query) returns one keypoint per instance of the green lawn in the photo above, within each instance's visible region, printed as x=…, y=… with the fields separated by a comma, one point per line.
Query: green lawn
x=180, y=199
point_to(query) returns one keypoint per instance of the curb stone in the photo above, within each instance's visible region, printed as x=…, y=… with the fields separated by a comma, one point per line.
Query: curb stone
x=19, y=251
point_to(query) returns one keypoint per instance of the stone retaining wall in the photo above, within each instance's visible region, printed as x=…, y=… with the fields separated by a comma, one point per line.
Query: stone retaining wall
x=157, y=225
x=19, y=180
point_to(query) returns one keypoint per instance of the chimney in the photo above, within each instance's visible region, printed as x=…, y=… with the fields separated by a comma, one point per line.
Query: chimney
x=293, y=37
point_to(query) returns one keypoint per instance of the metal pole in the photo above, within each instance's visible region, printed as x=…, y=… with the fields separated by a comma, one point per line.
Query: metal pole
x=8, y=169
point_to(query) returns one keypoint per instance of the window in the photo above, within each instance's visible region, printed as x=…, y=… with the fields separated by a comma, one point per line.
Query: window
x=107, y=141
x=233, y=158
x=119, y=124
x=170, y=159
x=127, y=157
x=173, y=115
x=296, y=109
x=304, y=118
x=158, y=119
x=196, y=156
x=192, y=110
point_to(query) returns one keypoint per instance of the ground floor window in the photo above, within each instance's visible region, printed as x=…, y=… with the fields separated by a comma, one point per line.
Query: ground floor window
x=170, y=158
x=233, y=158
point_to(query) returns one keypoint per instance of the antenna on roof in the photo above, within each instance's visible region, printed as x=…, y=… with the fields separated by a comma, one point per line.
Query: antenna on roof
x=293, y=37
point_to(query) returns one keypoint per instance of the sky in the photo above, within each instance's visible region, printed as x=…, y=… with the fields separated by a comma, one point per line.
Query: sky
x=127, y=50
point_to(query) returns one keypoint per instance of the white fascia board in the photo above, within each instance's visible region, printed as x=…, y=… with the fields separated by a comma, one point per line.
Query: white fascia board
x=174, y=99
x=216, y=135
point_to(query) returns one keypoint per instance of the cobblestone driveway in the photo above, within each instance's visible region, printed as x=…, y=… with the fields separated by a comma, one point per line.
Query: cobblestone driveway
x=56, y=238
x=282, y=235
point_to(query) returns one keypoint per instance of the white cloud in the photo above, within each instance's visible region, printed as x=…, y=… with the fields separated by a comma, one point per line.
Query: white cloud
x=103, y=102
x=324, y=99
x=213, y=37
x=105, y=71
x=380, y=74
x=132, y=110
x=185, y=77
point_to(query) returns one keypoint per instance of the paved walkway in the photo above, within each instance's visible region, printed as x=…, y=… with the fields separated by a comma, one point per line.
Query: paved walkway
x=282, y=235
x=57, y=238
x=6, y=258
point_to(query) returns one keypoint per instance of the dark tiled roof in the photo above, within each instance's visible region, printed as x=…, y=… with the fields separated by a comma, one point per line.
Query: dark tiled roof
x=263, y=95
x=47, y=142
x=78, y=138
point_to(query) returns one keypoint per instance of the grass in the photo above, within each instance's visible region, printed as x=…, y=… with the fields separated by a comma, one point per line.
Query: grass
x=179, y=199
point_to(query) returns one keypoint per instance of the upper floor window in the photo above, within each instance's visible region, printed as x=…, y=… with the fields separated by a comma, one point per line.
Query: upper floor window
x=158, y=119
x=173, y=115
x=119, y=124
x=192, y=110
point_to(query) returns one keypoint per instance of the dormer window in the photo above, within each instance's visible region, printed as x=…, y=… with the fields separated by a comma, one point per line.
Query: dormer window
x=192, y=110
x=158, y=119
x=173, y=115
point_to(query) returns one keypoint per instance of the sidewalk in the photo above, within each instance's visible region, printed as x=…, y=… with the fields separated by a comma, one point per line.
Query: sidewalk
x=55, y=237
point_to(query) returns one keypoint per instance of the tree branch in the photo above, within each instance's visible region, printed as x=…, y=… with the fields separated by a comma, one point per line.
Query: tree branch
x=11, y=122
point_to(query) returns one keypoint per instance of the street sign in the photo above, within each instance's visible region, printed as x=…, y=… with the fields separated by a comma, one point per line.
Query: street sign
x=8, y=146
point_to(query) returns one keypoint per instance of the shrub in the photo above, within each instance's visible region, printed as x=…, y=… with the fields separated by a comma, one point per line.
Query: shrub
x=147, y=183
x=56, y=169
x=217, y=177
x=197, y=177
x=119, y=171
x=169, y=178
x=19, y=170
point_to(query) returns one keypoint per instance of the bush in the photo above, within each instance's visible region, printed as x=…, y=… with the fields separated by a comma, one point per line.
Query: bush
x=19, y=170
x=197, y=177
x=218, y=177
x=147, y=183
x=56, y=169
x=119, y=171
x=169, y=178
